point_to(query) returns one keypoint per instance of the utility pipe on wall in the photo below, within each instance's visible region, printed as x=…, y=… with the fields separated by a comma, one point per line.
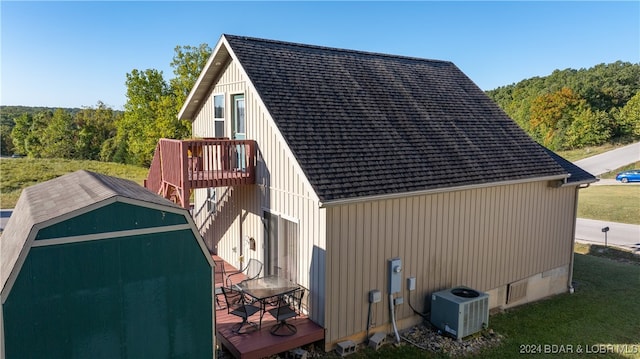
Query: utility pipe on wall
x=393, y=317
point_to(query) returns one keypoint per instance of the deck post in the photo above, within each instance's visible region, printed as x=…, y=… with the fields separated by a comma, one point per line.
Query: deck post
x=185, y=189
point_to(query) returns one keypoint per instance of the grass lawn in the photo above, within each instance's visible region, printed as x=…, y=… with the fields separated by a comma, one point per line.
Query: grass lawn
x=602, y=317
x=602, y=311
x=620, y=203
x=18, y=173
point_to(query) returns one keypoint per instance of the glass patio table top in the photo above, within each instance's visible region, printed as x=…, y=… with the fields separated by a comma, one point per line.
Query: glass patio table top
x=267, y=287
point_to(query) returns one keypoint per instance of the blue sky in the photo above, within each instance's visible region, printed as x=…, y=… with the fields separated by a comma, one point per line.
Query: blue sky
x=74, y=54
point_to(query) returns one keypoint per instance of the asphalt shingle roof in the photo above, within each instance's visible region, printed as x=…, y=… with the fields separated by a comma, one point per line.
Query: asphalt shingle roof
x=577, y=174
x=364, y=124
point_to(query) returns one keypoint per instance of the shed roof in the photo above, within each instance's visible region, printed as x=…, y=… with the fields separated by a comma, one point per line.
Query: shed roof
x=62, y=197
x=366, y=124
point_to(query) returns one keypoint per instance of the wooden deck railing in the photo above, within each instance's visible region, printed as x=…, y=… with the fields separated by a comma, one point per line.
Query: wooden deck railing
x=178, y=166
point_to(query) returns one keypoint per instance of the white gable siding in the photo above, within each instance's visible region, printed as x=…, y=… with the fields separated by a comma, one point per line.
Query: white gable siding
x=280, y=188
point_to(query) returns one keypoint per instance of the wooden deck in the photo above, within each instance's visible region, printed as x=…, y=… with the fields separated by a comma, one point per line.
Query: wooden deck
x=180, y=166
x=261, y=343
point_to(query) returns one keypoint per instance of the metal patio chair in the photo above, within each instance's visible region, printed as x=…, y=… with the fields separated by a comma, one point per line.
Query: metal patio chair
x=237, y=305
x=252, y=270
x=288, y=307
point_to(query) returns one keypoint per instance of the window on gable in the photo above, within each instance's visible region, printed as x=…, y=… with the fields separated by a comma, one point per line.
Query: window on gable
x=218, y=115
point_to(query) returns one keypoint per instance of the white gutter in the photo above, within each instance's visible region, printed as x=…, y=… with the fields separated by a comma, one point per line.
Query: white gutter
x=386, y=196
x=585, y=182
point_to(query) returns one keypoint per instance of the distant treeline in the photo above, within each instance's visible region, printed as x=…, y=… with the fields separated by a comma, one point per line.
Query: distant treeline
x=576, y=108
x=101, y=133
x=57, y=133
x=568, y=109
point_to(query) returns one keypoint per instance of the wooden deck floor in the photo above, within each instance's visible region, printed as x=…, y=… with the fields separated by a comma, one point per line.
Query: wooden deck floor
x=261, y=343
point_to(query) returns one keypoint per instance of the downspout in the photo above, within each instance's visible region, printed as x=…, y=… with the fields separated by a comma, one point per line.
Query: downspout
x=573, y=240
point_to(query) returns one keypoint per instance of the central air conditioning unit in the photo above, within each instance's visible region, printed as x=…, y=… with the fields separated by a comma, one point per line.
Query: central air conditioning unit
x=460, y=311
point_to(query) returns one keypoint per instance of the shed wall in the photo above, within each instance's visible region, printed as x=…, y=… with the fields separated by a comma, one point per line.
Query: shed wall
x=281, y=189
x=483, y=238
x=139, y=296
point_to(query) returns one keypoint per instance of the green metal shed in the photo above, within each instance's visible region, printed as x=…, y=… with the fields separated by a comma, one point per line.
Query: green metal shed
x=94, y=266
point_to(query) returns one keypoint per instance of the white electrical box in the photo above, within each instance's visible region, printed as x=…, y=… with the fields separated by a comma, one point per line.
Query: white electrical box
x=411, y=283
x=375, y=296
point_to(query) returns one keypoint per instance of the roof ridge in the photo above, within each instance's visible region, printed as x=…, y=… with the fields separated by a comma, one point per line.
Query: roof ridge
x=334, y=49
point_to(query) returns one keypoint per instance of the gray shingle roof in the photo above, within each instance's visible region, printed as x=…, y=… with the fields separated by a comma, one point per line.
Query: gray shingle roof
x=577, y=174
x=365, y=124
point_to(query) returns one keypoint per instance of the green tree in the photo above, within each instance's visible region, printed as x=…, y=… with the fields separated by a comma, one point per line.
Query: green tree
x=628, y=118
x=28, y=131
x=6, y=141
x=551, y=116
x=58, y=137
x=187, y=63
x=145, y=90
x=604, y=90
x=589, y=128
x=95, y=127
x=20, y=132
x=152, y=107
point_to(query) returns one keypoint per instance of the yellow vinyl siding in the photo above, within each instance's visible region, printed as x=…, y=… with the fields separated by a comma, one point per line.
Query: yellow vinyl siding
x=483, y=238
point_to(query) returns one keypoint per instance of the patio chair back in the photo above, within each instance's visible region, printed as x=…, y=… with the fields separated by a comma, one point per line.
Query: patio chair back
x=220, y=274
x=251, y=271
x=219, y=279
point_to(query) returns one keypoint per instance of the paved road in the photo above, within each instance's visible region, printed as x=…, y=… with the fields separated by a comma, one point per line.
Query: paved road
x=612, y=182
x=619, y=235
x=609, y=161
x=4, y=217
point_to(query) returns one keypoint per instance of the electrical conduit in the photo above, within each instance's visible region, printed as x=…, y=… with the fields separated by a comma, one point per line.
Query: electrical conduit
x=393, y=317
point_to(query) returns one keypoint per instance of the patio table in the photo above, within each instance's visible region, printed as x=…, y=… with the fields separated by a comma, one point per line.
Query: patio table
x=261, y=289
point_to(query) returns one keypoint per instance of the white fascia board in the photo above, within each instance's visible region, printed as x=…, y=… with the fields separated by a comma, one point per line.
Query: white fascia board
x=198, y=83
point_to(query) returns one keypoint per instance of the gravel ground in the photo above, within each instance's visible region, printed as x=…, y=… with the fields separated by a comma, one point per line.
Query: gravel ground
x=428, y=339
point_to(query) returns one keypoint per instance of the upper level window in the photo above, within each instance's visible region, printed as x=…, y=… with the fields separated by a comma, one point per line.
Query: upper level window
x=238, y=122
x=218, y=115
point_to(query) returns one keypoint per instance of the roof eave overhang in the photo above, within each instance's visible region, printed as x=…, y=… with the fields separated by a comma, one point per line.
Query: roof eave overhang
x=340, y=202
x=212, y=69
x=580, y=183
